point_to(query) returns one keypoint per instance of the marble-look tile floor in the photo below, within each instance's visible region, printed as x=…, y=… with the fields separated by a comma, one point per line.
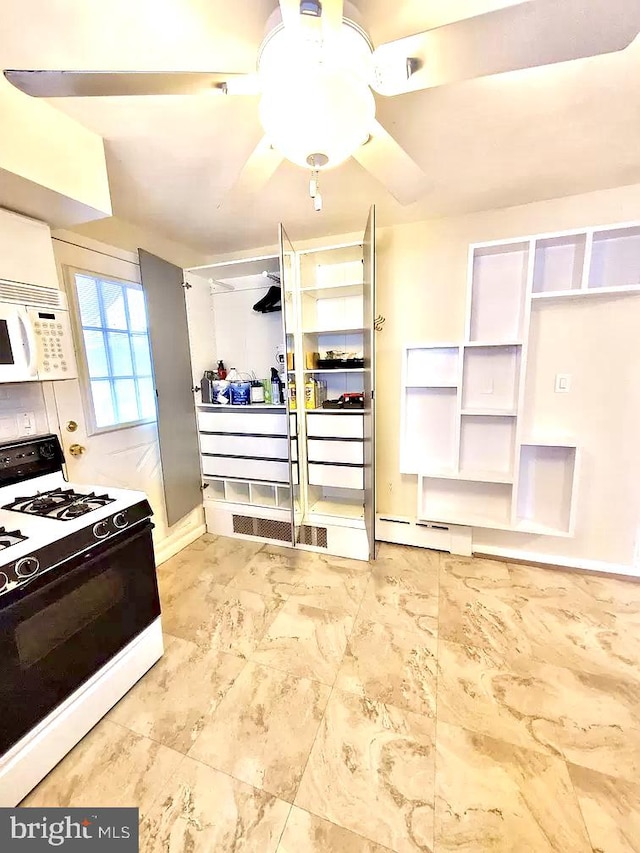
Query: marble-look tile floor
x=308, y=704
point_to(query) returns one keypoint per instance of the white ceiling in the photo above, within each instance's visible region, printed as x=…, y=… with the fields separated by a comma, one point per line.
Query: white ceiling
x=487, y=143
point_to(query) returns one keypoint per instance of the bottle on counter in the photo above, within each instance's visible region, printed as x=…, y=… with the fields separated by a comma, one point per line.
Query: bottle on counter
x=310, y=394
x=276, y=388
x=222, y=373
x=292, y=394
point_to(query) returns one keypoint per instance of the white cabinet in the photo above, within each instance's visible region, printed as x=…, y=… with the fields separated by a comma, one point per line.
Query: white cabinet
x=26, y=251
x=298, y=476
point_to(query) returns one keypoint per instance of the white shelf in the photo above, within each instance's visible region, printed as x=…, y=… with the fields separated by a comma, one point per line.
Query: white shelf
x=337, y=507
x=470, y=476
x=353, y=411
x=487, y=443
x=590, y=291
x=333, y=291
x=497, y=292
x=251, y=407
x=336, y=370
x=465, y=502
x=492, y=344
x=429, y=429
x=336, y=331
x=433, y=385
x=546, y=489
x=490, y=379
x=559, y=263
x=432, y=367
x=489, y=413
x=615, y=259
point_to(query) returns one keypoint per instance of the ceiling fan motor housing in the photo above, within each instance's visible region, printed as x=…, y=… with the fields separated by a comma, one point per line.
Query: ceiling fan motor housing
x=317, y=107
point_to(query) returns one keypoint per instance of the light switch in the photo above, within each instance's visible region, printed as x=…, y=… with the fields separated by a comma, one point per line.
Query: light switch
x=27, y=423
x=563, y=383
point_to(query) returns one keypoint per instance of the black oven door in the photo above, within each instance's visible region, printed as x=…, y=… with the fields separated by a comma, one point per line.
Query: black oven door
x=56, y=632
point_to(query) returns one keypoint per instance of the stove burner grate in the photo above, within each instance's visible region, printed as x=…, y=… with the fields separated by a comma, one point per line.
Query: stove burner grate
x=61, y=504
x=9, y=538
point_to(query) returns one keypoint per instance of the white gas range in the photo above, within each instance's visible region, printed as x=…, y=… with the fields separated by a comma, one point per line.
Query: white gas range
x=79, y=608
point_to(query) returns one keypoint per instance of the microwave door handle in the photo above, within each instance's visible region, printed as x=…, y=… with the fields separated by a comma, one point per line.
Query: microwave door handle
x=32, y=344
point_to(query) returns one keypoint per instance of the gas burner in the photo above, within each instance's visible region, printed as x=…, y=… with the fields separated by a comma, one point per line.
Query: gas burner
x=9, y=538
x=61, y=504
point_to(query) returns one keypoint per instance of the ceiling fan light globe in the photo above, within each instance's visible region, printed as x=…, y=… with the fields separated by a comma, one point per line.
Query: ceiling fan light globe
x=319, y=112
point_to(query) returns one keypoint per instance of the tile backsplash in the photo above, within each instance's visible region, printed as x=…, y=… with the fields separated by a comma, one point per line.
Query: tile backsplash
x=22, y=410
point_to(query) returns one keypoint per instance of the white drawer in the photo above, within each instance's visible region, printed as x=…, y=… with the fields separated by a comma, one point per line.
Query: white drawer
x=329, y=450
x=295, y=478
x=293, y=424
x=245, y=445
x=243, y=420
x=294, y=449
x=336, y=475
x=247, y=469
x=335, y=426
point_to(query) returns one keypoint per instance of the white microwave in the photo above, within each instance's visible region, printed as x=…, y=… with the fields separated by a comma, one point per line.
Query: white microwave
x=35, y=334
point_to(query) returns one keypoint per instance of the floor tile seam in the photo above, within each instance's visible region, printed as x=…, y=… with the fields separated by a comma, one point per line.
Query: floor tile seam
x=283, y=671
x=579, y=807
x=147, y=737
x=282, y=831
x=237, y=779
x=345, y=828
x=156, y=797
x=313, y=743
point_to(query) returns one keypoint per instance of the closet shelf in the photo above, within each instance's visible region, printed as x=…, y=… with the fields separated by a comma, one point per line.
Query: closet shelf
x=587, y=291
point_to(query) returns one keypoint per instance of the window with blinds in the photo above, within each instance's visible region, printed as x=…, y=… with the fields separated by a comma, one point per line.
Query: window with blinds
x=113, y=320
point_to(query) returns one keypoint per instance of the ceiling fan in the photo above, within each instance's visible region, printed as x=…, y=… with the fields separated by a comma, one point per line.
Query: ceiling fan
x=317, y=71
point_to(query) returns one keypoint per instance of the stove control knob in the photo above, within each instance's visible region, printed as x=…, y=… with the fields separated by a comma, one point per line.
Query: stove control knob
x=120, y=520
x=27, y=566
x=101, y=530
x=4, y=580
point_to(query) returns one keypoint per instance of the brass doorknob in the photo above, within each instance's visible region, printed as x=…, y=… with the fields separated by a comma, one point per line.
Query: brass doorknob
x=77, y=450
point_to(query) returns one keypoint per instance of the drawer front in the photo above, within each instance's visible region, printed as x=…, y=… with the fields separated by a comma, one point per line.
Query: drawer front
x=340, y=476
x=245, y=445
x=335, y=426
x=335, y=451
x=243, y=421
x=247, y=469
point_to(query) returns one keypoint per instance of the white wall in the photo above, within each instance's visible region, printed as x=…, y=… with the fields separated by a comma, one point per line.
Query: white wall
x=19, y=399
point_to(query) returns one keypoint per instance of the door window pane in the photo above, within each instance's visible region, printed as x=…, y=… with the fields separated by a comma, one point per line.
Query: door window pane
x=88, y=301
x=96, y=353
x=126, y=400
x=137, y=309
x=103, y=403
x=120, y=354
x=141, y=355
x=115, y=315
x=116, y=346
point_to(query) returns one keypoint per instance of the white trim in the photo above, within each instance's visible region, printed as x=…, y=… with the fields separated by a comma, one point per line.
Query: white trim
x=557, y=560
x=38, y=752
x=70, y=237
x=175, y=542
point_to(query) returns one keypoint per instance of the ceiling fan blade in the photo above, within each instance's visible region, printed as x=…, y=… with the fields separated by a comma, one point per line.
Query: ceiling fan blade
x=527, y=35
x=90, y=84
x=392, y=166
x=262, y=163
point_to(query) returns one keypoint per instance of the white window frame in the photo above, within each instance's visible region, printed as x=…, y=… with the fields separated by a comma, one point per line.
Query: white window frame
x=84, y=378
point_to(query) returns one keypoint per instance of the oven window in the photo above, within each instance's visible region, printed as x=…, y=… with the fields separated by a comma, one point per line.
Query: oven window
x=6, y=353
x=49, y=628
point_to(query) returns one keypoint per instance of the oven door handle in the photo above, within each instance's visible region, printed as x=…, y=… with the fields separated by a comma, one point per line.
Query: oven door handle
x=31, y=342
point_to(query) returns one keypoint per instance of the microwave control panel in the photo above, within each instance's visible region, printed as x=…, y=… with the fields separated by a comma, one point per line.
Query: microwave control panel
x=56, y=356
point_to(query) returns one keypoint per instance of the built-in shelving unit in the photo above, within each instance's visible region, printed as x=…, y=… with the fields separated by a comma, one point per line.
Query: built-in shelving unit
x=285, y=473
x=462, y=403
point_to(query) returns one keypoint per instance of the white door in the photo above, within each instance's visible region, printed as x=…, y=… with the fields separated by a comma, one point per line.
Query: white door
x=97, y=452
